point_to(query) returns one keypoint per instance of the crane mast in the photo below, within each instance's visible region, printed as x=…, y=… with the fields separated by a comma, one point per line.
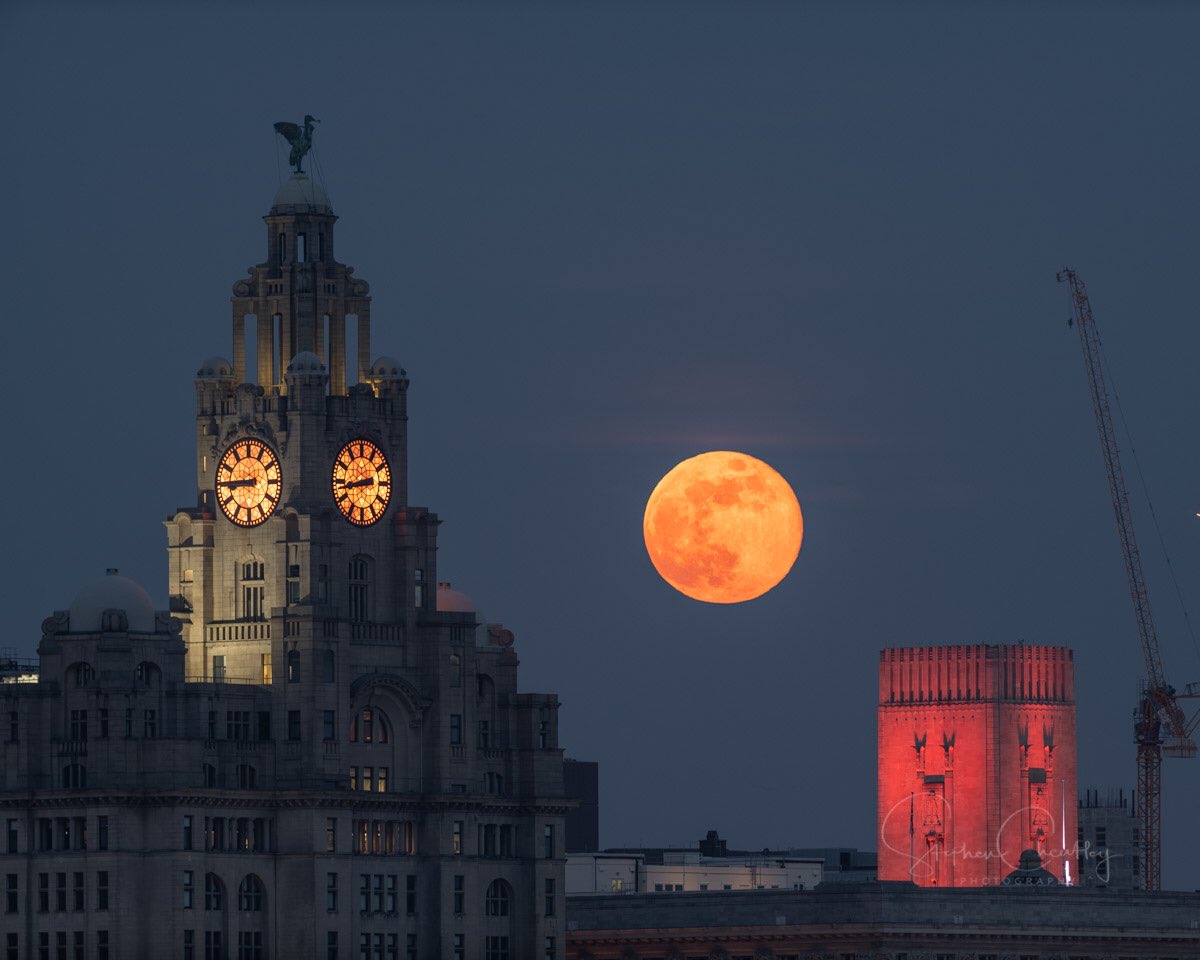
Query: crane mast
x=1157, y=706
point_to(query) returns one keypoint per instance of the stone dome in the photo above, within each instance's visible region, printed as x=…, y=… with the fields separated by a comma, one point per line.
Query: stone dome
x=299, y=194
x=450, y=600
x=387, y=368
x=215, y=368
x=306, y=363
x=111, y=592
x=1030, y=872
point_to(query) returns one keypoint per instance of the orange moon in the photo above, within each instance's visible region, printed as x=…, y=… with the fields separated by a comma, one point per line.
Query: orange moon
x=723, y=527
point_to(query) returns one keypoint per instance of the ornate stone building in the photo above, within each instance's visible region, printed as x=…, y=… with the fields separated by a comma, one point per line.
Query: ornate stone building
x=314, y=752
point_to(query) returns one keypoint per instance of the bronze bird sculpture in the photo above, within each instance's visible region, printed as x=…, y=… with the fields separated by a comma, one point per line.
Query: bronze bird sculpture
x=300, y=139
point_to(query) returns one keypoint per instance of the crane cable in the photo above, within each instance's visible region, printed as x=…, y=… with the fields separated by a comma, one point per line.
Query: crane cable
x=1146, y=492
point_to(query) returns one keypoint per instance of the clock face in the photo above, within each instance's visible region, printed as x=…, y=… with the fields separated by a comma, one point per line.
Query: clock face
x=362, y=482
x=248, y=482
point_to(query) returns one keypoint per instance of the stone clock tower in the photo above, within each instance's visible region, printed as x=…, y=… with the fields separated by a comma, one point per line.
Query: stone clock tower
x=279, y=562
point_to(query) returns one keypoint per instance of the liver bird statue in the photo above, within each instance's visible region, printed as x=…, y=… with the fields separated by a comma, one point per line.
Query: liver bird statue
x=299, y=138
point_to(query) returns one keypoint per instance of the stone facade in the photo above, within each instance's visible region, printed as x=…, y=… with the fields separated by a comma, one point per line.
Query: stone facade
x=887, y=921
x=314, y=752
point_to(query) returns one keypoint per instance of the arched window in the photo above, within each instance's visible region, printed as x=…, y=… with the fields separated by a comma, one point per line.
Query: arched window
x=80, y=674
x=360, y=588
x=499, y=895
x=214, y=892
x=74, y=777
x=250, y=893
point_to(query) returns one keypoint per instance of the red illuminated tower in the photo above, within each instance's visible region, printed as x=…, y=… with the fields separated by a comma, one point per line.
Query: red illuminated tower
x=976, y=763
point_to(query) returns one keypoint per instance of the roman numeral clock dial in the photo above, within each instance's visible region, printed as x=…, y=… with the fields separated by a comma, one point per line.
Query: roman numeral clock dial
x=248, y=482
x=362, y=482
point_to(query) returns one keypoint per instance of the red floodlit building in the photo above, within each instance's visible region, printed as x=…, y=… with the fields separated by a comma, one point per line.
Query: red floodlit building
x=976, y=763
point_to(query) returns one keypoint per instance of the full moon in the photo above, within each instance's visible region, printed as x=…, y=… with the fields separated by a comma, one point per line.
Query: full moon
x=723, y=527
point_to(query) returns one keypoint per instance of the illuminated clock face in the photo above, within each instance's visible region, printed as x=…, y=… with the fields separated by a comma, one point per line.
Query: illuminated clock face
x=362, y=482
x=248, y=482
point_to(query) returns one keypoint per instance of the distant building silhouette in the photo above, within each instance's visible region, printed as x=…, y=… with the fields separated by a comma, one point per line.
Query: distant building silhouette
x=581, y=782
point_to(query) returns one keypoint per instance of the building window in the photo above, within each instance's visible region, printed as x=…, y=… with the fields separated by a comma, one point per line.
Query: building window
x=250, y=893
x=78, y=724
x=253, y=590
x=189, y=945
x=293, y=666
x=551, y=951
x=331, y=834
x=218, y=667
x=331, y=892
x=214, y=893
x=281, y=247
x=364, y=892
x=496, y=903
x=331, y=945
x=410, y=895
x=104, y=723
x=247, y=777
x=360, y=580
x=506, y=840
x=496, y=948
x=550, y=897
x=250, y=946
x=212, y=945
x=12, y=835
x=237, y=724
x=266, y=668
x=548, y=841
x=455, y=728
x=328, y=666
x=43, y=892
x=60, y=892
x=11, y=900
x=209, y=773
x=101, y=945
x=14, y=726
x=367, y=777
x=78, y=898
x=187, y=831
x=74, y=777
x=329, y=724
x=459, y=894
x=458, y=837
x=616, y=885
x=128, y=722
x=149, y=724
x=77, y=941
x=102, y=833
x=485, y=735
x=381, y=779
x=300, y=244
x=389, y=904
x=460, y=948
x=101, y=889
x=1101, y=837
x=455, y=670
x=189, y=889
x=12, y=949
x=418, y=588
x=82, y=674
x=293, y=725
x=494, y=782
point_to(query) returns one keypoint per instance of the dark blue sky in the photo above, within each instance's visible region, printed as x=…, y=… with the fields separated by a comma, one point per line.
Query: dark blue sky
x=605, y=237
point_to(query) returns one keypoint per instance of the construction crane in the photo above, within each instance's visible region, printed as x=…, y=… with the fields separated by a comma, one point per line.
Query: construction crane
x=1158, y=708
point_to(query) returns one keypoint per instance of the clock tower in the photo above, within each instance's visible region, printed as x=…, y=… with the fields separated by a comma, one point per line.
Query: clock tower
x=301, y=536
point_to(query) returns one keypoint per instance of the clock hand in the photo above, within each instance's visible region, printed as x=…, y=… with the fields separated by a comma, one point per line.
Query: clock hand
x=248, y=482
